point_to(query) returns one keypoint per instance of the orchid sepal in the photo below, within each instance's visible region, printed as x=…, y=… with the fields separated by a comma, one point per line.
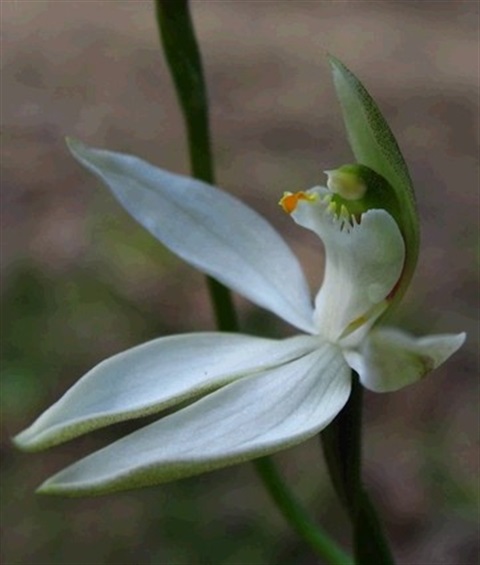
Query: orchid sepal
x=194, y=220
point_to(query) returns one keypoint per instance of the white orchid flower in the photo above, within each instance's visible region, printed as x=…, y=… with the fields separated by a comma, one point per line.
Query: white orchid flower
x=247, y=396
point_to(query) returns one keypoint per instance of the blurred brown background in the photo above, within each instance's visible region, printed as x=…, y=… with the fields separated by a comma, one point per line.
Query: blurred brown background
x=81, y=281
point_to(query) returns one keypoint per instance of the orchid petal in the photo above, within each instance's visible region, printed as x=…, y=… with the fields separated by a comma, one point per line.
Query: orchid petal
x=208, y=228
x=153, y=376
x=390, y=359
x=363, y=263
x=249, y=418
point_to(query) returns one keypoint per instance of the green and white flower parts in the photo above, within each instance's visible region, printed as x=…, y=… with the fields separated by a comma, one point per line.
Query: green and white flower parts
x=247, y=396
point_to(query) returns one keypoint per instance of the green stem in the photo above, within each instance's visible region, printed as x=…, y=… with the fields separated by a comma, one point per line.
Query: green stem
x=183, y=57
x=342, y=446
x=181, y=50
x=369, y=540
x=296, y=515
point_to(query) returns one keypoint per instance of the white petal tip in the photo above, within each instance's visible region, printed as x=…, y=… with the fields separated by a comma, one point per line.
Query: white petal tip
x=390, y=359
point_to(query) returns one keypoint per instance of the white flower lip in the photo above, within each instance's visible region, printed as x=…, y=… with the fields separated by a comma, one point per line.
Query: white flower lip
x=249, y=396
x=364, y=261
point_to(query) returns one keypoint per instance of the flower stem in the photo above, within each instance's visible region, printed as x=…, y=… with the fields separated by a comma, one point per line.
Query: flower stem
x=183, y=57
x=342, y=446
x=328, y=550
